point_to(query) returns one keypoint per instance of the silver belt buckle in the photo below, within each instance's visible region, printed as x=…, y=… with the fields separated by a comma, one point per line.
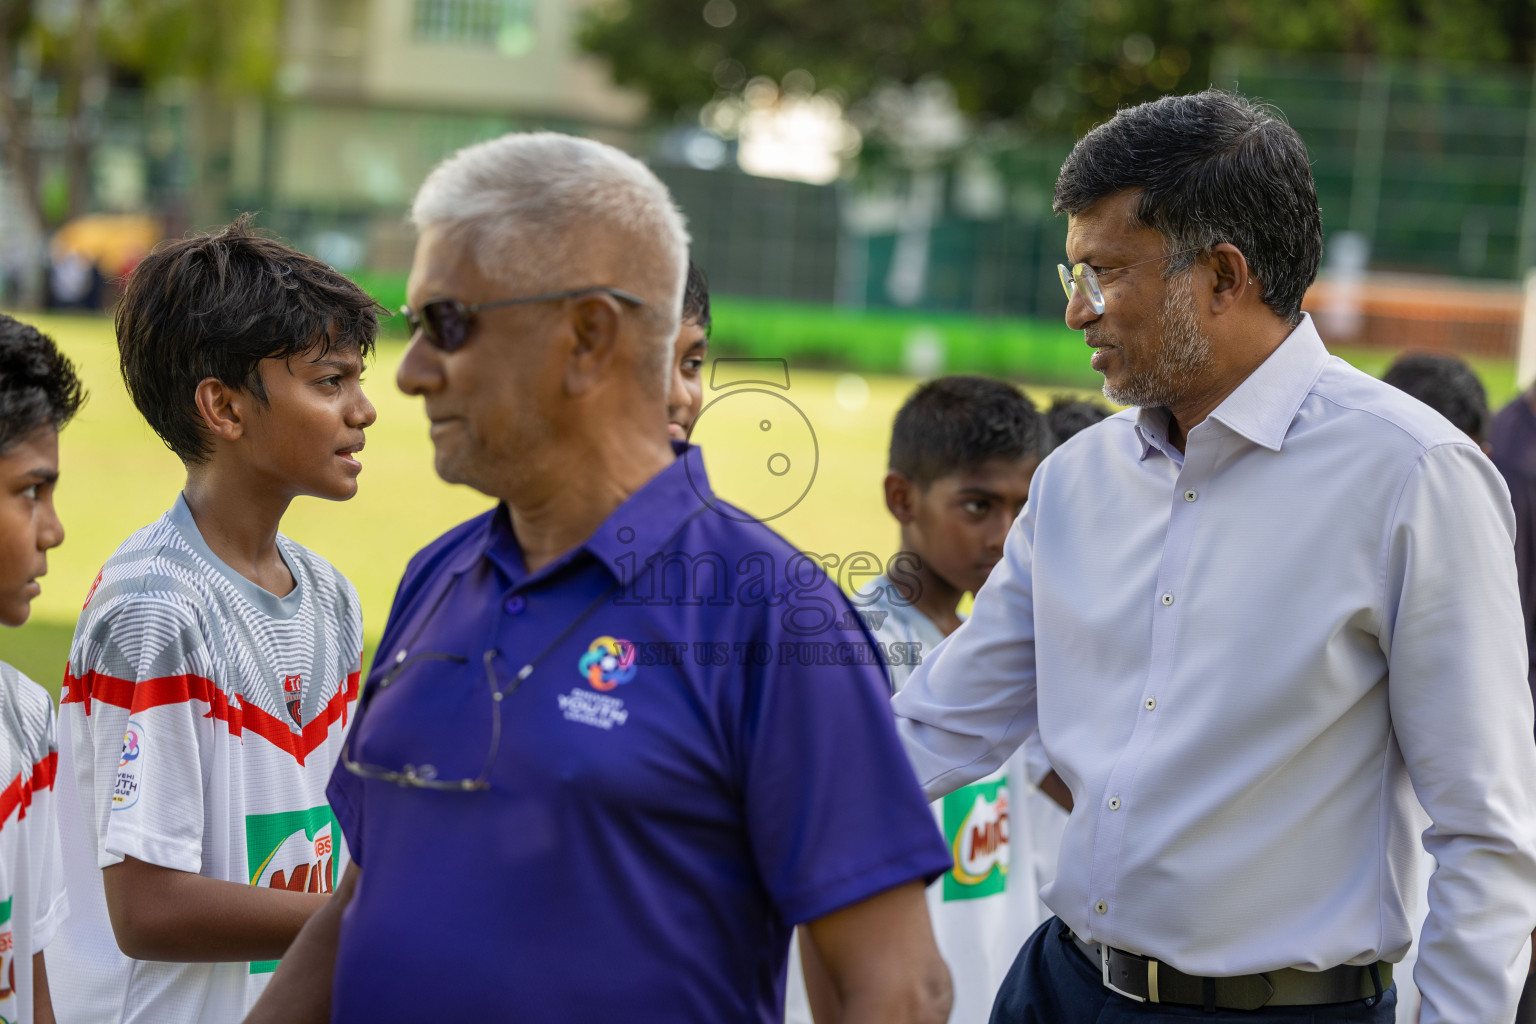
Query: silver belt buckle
x=1104, y=962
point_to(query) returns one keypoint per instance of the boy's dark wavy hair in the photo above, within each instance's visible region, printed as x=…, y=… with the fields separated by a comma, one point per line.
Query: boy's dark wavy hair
x=1447, y=385
x=216, y=305
x=38, y=384
x=957, y=423
x=696, y=299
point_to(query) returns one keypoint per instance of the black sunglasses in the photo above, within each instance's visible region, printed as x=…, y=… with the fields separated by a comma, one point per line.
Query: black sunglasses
x=445, y=323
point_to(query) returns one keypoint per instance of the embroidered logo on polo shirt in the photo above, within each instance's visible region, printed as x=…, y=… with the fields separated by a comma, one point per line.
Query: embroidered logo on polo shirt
x=595, y=709
x=608, y=663
x=976, y=825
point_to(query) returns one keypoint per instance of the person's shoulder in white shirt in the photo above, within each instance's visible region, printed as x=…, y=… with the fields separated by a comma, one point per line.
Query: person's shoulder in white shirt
x=1344, y=552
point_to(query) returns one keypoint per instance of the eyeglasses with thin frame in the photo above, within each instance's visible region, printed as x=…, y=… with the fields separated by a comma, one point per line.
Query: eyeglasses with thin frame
x=1081, y=275
x=445, y=323
x=424, y=776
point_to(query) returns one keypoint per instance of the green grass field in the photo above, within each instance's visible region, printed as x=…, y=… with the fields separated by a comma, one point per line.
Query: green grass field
x=117, y=477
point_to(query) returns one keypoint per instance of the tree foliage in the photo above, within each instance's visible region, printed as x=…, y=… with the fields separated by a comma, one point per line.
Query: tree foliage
x=66, y=52
x=1046, y=64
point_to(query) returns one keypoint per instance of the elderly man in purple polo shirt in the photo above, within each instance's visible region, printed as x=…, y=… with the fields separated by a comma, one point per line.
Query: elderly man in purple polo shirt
x=584, y=782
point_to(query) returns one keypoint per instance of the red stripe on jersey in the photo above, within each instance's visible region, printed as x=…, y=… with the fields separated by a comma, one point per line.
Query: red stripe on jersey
x=153, y=693
x=45, y=771
x=19, y=792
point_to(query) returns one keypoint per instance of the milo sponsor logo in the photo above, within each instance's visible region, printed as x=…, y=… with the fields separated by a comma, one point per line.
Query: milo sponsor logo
x=293, y=850
x=976, y=825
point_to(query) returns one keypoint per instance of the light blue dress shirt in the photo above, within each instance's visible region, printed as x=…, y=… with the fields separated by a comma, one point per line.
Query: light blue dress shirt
x=1245, y=660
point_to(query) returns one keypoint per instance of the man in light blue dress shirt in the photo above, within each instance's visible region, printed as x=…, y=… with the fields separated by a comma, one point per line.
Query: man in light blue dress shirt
x=1251, y=618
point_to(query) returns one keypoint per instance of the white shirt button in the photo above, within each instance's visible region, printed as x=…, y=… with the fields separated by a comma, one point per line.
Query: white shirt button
x=1101, y=907
x=1150, y=703
x=1114, y=803
x=1167, y=599
x=1190, y=495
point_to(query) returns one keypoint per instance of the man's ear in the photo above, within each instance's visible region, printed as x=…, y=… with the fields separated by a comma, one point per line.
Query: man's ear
x=900, y=496
x=595, y=321
x=1231, y=277
x=222, y=408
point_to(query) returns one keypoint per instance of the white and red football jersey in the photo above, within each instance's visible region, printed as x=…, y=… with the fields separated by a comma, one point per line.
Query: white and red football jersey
x=32, y=900
x=203, y=716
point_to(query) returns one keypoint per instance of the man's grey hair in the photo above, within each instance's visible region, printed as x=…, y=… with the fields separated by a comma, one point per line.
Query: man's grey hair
x=535, y=202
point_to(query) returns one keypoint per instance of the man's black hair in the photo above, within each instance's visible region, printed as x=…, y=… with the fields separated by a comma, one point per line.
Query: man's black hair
x=1067, y=415
x=1211, y=167
x=216, y=305
x=696, y=299
x=38, y=384
x=956, y=423
x=1448, y=386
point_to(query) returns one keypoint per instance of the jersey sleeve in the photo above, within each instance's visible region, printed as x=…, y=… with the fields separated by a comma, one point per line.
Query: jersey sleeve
x=42, y=840
x=144, y=674
x=833, y=809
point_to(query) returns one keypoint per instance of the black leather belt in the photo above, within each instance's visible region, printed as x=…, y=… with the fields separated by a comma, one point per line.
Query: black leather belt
x=1147, y=980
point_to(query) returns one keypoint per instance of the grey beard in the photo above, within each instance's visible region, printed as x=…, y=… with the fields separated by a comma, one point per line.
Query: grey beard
x=1184, y=359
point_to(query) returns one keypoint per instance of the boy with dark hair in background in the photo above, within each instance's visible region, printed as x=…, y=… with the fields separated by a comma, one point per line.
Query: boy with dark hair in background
x=215, y=665
x=1068, y=416
x=39, y=394
x=963, y=451
x=1447, y=385
x=686, y=397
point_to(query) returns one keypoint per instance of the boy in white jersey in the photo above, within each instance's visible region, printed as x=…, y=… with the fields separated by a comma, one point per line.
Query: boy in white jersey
x=215, y=666
x=685, y=398
x=963, y=451
x=39, y=393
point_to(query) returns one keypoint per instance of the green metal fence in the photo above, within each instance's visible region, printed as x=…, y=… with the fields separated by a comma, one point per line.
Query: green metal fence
x=1433, y=162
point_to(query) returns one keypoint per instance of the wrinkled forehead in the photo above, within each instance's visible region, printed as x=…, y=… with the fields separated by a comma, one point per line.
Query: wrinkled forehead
x=1109, y=228
x=443, y=265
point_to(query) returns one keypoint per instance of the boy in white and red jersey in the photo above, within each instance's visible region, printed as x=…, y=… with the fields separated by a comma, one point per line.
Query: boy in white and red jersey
x=215, y=666
x=963, y=453
x=39, y=393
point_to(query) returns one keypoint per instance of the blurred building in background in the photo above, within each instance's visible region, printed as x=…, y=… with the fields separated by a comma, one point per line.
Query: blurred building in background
x=325, y=115
x=372, y=93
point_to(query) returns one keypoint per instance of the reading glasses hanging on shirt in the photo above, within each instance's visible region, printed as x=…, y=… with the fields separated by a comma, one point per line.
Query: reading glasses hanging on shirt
x=425, y=776
x=1082, y=276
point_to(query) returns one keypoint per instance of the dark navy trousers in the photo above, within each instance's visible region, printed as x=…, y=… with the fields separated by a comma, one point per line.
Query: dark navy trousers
x=1051, y=982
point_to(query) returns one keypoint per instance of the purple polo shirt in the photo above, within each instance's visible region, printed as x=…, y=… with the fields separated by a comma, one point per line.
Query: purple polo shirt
x=702, y=756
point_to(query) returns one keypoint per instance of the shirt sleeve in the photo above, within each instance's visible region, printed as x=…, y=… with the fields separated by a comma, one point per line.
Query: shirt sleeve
x=833, y=812
x=1461, y=711
x=150, y=687
x=971, y=702
x=48, y=897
